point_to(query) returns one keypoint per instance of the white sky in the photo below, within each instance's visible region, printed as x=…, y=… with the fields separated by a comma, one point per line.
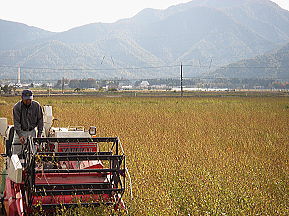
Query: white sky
x=61, y=15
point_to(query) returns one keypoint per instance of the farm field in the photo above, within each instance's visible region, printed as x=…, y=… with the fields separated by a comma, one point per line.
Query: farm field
x=197, y=155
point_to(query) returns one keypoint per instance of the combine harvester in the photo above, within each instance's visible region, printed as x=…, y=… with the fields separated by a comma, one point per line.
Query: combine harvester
x=67, y=167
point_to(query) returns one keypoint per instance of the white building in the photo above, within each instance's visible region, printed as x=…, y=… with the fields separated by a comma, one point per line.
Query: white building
x=144, y=84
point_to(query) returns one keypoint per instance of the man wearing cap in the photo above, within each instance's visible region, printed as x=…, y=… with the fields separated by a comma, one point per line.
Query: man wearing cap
x=27, y=115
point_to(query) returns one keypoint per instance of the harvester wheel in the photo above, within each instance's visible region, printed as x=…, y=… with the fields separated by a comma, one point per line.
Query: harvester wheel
x=2, y=208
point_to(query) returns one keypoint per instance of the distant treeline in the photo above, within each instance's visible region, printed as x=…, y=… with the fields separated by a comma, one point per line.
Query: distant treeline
x=169, y=83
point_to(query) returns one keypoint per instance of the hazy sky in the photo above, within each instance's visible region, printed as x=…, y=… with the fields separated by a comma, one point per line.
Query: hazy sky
x=61, y=15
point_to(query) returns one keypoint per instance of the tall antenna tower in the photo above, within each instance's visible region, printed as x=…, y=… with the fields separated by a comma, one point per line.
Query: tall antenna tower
x=19, y=75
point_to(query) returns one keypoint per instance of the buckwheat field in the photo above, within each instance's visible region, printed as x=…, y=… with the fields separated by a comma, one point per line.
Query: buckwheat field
x=191, y=156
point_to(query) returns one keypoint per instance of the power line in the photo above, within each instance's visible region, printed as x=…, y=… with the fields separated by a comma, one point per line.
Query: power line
x=90, y=69
x=246, y=67
x=140, y=68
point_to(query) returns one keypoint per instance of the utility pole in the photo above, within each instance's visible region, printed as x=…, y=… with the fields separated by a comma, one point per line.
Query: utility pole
x=49, y=90
x=62, y=85
x=182, y=92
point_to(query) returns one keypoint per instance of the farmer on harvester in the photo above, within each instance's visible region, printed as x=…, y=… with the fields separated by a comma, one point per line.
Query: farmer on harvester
x=27, y=116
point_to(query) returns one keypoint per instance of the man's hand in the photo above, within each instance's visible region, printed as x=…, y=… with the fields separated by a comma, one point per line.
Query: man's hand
x=22, y=140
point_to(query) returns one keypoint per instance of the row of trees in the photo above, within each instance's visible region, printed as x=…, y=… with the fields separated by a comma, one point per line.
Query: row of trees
x=281, y=85
x=85, y=83
x=188, y=82
x=7, y=89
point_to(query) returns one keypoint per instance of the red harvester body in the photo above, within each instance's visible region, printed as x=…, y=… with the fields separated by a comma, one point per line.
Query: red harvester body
x=68, y=172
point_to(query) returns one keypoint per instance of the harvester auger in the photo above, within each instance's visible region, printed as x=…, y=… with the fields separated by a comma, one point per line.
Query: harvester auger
x=68, y=168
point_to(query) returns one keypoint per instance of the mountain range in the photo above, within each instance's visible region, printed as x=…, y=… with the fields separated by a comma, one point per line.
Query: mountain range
x=206, y=36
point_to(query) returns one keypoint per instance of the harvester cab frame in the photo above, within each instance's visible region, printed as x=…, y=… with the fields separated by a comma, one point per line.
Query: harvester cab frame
x=66, y=167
